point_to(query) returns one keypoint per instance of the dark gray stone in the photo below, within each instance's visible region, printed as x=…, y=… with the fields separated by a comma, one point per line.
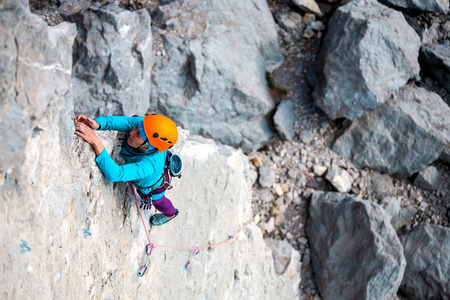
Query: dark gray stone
x=399, y=216
x=112, y=65
x=427, y=253
x=401, y=137
x=428, y=179
x=381, y=184
x=445, y=155
x=212, y=79
x=355, y=252
x=435, y=62
x=437, y=6
x=284, y=120
x=369, y=51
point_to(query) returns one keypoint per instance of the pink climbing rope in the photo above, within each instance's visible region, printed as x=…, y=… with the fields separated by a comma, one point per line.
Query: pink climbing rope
x=181, y=247
x=137, y=205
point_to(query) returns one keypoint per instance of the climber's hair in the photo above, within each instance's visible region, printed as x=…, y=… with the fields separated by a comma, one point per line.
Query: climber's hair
x=143, y=147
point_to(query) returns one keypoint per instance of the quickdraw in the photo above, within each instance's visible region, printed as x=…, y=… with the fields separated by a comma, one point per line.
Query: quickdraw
x=144, y=268
x=188, y=264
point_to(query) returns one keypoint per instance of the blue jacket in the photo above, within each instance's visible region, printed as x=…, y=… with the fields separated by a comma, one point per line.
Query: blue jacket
x=144, y=169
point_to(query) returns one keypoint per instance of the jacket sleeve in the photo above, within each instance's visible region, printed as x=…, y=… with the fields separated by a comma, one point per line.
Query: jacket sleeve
x=119, y=123
x=128, y=172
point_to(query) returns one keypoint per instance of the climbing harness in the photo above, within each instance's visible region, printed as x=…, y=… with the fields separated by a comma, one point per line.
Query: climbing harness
x=86, y=233
x=172, y=167
x=143, y=269
x=24, y=247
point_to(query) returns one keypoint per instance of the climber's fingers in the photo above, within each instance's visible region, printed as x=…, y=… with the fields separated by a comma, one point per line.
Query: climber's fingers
x=88, y=121
x=85, y=132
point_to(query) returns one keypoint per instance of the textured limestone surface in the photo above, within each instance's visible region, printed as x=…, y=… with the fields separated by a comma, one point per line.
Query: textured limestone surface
x=60, y=192
x=51, y=189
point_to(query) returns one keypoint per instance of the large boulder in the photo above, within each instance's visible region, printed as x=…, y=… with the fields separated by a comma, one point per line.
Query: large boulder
x=427, y=253
x=112, y=61
x=368, y=52
x=435, y=62
x=402, y=136
x=34, y=75
x=355, y=252
x=209, y=71
x=437, y=6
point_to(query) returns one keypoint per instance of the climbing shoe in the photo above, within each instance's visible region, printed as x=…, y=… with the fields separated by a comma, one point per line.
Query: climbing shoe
x=160, y=219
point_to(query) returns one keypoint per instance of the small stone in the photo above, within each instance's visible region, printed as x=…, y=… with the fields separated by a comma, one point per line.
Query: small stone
x=308, y=33
x=309, y=6
x=423, y=206
x=257, y=161
x=340, y=179
x=285, y=188
x=303, y=241
x=278, y=190
x=308, y=192
x=306, y=136
x=319, y=170
x=293, y=173
x=310, y=175
x=266, y=176
x=257, y=219
x=428, y=179
x=253, y=175
x=302, y=180
x=269, y=227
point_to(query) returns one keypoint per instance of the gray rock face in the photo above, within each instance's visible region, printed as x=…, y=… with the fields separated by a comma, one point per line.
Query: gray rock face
x=428, y=179
x=435, y=62
x=284, y=120
x=355, y=252
x=437, y=6
x=401, y=137
x=210, y=77
x=112, y=65
x=368, y=52
x=34, y=74
x=427, y=252
x=56, y=189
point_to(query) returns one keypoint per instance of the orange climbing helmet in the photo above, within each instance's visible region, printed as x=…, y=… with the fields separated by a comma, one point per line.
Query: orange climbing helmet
x=161, y=132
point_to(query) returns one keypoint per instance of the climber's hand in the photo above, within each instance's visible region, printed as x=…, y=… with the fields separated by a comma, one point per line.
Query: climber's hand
x=88, y=121
x=89, y=136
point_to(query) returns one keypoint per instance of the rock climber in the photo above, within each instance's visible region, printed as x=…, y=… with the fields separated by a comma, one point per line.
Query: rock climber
x=144, y=151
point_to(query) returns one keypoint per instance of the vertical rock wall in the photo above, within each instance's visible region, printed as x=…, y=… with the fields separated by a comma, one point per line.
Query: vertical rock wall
x=51, y=189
